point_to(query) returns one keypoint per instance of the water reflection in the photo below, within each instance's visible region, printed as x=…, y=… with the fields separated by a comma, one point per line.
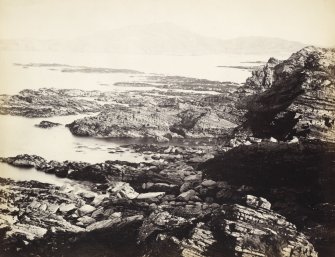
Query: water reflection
x=23, y=174
x=19, y=135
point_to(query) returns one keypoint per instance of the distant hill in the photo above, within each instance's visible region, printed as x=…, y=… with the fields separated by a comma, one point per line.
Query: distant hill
x=155, y=39
x=258, y=45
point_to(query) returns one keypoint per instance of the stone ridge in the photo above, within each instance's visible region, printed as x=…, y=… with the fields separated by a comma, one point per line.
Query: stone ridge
x=150, y=122
x=48, y=102
x=295, y=97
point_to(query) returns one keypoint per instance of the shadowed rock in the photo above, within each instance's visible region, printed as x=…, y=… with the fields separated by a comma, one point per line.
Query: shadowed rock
x=295, y=97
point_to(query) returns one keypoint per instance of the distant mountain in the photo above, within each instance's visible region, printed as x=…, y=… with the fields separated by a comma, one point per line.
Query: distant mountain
x=160, y=38
x=259, y=45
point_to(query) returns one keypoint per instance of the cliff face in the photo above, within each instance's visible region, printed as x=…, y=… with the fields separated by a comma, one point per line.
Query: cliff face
x=285, y=100
x=295, y=97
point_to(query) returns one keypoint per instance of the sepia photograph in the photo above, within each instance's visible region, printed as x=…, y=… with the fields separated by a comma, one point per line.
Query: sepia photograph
x=167, y=128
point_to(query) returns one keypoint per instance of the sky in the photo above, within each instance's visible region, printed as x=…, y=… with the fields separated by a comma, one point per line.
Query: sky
x=307, y=21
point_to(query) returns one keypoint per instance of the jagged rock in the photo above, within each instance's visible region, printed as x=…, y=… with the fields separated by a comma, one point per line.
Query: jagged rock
x=192, y=226
x=128, y=122
x=103, y=224
x=257, y=202
x=208, y=183
x=184, y=187
x=160, y=221
x=201, y=242
x=86, y=220
x=160, y=187
x=123, y=189
x=25, y=161
x=86, y=209
x=88, y=195
x=98, y=199
x=273, y=140
x=230, y=230
x=52, y=208
x=150, y=195
x=259, y=233
x=295, y=97
x=186, y=196
x=294, y=177
x=266, y=72
x=193, y=178
x=30, y=232
x=65, y=208
x=48, y=102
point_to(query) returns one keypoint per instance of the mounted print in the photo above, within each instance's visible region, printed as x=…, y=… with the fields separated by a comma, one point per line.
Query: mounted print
x=167, y=128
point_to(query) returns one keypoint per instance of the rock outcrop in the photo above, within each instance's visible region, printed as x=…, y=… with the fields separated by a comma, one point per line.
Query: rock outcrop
x=161, y=126
x=48, y=102
x=297, y=178
x=139, y=209
x=284, y=147
x=125, y=122
x=295, y=97
x=47, y=124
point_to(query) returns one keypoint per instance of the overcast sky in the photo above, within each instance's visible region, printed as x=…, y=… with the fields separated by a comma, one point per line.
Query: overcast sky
x=307, y=21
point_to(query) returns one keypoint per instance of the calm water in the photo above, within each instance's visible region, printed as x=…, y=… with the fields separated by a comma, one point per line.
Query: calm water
x=14, y=78
x=19, y=135
x=7, y=171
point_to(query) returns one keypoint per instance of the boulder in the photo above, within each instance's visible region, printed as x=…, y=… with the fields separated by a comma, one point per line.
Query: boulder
x=193, y=178
x=208, y=183
x=257, y=202
x=86, y=220
x=186, y=196
x=184, y=187
x=150, y=195
x=123, y=190
x=65, y=208
x=47, y=124
x=86, y=209
x=160, y=221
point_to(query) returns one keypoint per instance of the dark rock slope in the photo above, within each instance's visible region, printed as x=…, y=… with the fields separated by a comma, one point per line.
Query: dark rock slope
x=295, y=97
x=298, y=179
x=287, y=135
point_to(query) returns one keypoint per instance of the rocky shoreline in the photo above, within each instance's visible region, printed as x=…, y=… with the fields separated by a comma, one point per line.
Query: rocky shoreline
x=267, y=190
x=144, y=208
